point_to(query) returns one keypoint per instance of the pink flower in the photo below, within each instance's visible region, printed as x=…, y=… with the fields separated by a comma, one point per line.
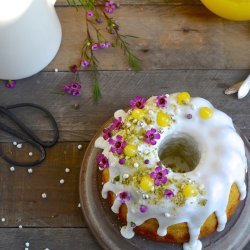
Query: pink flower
x=123, y=197
x=152, y=136
x=117, y=145
x=85, y=63
x=90, y=13
x=73, y=68
x=102, y=45
x=108, y=133
x=102, y=161
x=94, y=46
x=110, y=6
x=161, y=101
x=138, y=102
x=169, y=194
x=10, y=84
x=108, y=44
x=73, y=88
x=159, y=175
x=116, y=124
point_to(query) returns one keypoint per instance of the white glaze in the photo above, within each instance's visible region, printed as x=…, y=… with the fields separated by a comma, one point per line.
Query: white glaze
x=222, y=163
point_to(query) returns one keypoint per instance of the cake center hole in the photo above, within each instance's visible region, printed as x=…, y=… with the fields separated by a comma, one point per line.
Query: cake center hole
x=180, y=153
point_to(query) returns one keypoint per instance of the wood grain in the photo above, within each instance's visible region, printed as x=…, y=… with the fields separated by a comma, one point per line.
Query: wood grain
x=20, y=199
x=144, y=2
x=174, y=37
x=118, y=87
x=53, y=239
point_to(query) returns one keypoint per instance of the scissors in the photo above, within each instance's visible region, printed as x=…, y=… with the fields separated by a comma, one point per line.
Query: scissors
x=27, y=135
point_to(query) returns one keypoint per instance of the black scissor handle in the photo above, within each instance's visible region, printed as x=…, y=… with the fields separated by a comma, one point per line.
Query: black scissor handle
x=27, y=130
x=24, y=138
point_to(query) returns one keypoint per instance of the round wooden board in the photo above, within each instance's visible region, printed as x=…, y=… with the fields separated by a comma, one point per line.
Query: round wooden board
x=106, y=229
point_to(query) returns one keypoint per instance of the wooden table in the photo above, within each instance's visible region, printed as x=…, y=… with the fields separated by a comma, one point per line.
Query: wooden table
x=183, y=47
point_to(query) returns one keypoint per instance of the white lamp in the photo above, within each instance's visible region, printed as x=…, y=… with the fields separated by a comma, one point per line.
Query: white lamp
x=30, y=36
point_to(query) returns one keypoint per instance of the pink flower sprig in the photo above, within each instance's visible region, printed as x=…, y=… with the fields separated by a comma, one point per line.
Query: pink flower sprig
x=97, y=12
x=73, y=88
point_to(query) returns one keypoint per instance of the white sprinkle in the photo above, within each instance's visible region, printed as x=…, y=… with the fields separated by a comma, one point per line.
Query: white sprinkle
x=202, y=186
x=136, y=165
x=30, y=170
x=27, y=244
x=20, y=226
x=20, y=145
x=190, y=181
x=56, y=69
x=67, y=170
x=125, y=176
x=30, y=153
x=139, y=152
x=46, y=248
x=3, y=219
x=145, y=196
x=61, y=181
x=26, y=248
x=12, y=169
x=79, y=204
x=79, y=146
x=167, y=215
x=192, y=106
x=151, y=112
x=14, y=143
x=44, y=195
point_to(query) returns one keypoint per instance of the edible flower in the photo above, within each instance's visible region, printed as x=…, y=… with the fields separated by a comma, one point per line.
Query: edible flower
x=169, y=194
x=117, y=145
x=102, y=161
x=10, y=84
x=151, y=136
x=73, y=88
x=107, y=133
x=159, y=175
x=138, y=102
x=117, y=124
x=123, y=197
x=161, y=101
x=85, y=63
x=110, y=6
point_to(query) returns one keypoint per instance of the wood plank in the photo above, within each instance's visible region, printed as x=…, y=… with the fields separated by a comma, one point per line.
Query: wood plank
x=58, y=238
x=118, y=87
x=63, y=239
x=144, y=2
x=21, y=200
x=174, y=37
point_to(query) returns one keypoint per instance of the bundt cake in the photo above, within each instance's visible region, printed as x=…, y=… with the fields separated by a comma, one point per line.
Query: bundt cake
x=173, y=168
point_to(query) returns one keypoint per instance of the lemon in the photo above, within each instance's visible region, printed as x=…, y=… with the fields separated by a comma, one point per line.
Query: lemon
x=183, y=98
x=163, y=119
x=189, y=191
x=130, y=150
x=146, y=183
x=205, y=113
x=138, y=114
